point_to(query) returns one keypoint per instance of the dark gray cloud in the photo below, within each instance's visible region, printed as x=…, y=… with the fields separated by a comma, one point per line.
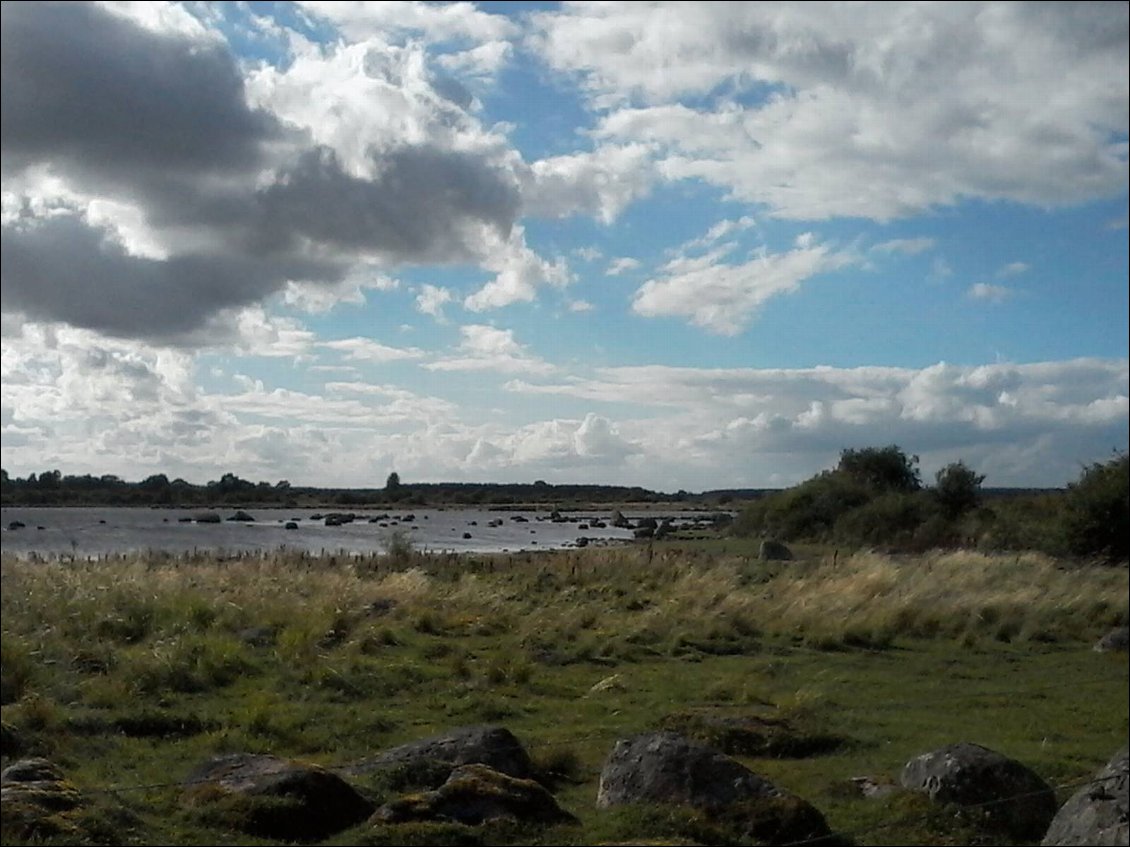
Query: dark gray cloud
x=240, y=203
x=63, y=269
x=1086, y=27
x=93, y=92
x=415, y=209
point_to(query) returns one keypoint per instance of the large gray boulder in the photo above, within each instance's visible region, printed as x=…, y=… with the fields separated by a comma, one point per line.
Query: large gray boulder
x=434, y=758
x=270, y=797
x=1117, y=640
x=474, y=794
x=1097, y=813
x=1005, y=794
x=665, y=768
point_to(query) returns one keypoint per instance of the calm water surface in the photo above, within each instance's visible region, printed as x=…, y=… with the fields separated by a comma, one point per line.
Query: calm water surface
x=98, y=532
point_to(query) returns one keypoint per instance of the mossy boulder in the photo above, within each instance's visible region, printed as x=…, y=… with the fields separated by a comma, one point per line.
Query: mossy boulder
x=475, y=794
x=429, y=762
x=271, y=797
x=35, y=802
x=1003, y=794
x=664, y=768
x=40, y=783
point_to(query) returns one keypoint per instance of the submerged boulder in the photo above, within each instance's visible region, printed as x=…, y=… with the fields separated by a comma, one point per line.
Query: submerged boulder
x=664, y=768
x=1098, y=812
x=1006, y=794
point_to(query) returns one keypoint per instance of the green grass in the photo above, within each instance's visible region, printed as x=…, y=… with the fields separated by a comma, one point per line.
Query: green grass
x=129, y=673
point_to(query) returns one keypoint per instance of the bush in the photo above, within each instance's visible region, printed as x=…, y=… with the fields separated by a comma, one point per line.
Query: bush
x=808, y=511
x=1025, y=522
x=881, y=468
x=890, y=518
x=957, y=489
x=399, y=548
x=1096, y=516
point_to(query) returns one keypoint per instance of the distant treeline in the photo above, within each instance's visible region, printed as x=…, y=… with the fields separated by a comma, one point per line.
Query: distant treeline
x=52, y=488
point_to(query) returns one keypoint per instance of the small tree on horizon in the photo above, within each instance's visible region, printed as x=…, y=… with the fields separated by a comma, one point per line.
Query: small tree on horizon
x=957, y=489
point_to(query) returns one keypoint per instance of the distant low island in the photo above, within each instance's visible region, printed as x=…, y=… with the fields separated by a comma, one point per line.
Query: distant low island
x=53, y=488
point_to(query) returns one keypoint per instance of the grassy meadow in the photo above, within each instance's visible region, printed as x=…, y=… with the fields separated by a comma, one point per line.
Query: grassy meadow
x=129, y=672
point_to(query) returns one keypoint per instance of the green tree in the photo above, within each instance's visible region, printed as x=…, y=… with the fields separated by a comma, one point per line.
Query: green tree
x=957, y=489
x=1096, y=516
x=808, y=510
x=881, y=468
x=156, y=482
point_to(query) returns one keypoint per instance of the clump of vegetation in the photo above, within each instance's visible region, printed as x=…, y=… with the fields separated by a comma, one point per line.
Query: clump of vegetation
x=1096, y=517
x=874, y=498
x=957, y=490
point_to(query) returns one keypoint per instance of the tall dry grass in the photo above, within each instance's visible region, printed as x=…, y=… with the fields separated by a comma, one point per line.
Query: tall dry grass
x=583, y=602
x=951, y=594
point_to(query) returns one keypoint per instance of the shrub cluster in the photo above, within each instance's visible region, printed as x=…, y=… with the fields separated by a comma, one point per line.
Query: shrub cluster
x=874, y=498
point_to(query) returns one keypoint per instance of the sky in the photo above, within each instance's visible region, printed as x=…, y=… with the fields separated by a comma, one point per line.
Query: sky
x=677, y=245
